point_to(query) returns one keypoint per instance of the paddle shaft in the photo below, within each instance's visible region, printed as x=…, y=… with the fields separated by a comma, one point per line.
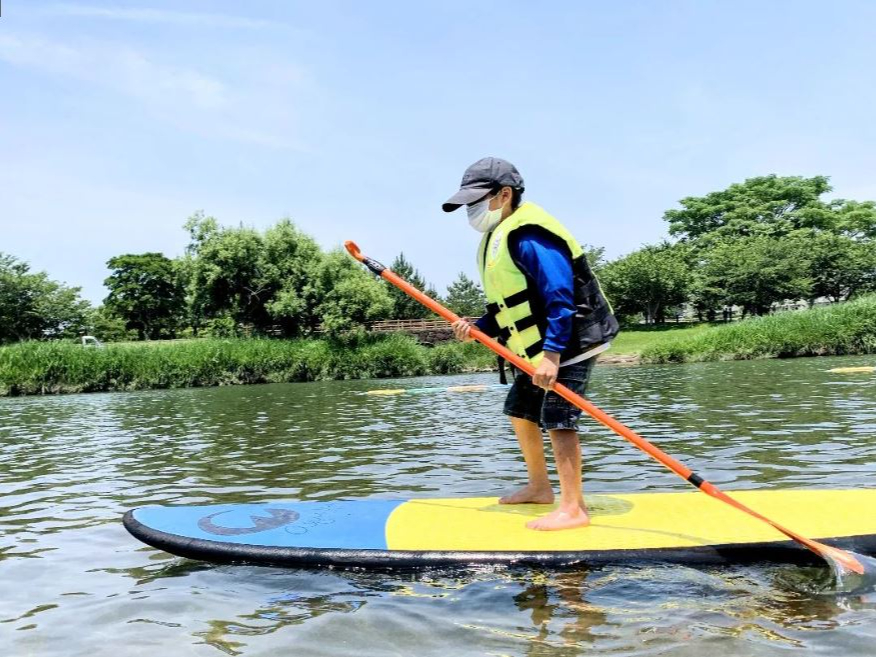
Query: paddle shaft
x=842, y=557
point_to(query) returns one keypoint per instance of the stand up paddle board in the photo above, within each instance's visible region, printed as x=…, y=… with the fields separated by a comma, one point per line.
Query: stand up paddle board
x=648, y=527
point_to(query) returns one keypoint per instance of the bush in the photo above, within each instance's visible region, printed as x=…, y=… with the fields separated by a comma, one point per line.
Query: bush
x=835, y=330
x=56, y=367
x=456, y=357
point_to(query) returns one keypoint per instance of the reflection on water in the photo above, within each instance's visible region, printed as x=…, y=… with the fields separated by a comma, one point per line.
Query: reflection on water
x=72, y=465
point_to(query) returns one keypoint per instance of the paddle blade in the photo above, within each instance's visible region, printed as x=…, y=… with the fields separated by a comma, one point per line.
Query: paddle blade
x=353, y=250
x=841, y=560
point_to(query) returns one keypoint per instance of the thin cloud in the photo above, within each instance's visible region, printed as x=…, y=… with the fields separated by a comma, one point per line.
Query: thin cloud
x=148, y=15
x=254, y=110
x=121, y=69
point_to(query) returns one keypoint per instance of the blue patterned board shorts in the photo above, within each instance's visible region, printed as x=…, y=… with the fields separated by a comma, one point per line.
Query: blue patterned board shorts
x=549, y=411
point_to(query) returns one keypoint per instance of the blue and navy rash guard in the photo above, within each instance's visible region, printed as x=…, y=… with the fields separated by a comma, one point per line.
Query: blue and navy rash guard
x=547, y=263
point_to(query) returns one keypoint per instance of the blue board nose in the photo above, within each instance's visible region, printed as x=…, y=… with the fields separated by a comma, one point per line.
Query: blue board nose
x=277, y=524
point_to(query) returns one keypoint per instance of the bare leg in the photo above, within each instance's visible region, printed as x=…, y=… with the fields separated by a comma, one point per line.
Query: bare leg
x=571, y=512
x=538, y=488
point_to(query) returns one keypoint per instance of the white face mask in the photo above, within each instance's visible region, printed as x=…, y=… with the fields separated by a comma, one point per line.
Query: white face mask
x=481, y=217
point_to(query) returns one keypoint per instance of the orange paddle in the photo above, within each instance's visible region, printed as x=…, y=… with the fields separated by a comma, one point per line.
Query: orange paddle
x=841, y=558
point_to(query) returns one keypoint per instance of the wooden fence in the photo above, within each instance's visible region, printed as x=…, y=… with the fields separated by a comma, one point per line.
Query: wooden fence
x=411, y=325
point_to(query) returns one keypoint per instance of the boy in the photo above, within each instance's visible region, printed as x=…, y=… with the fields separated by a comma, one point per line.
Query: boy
x=544, y=304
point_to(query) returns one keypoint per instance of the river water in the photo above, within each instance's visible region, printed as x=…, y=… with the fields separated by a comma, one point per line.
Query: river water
x=73, y=582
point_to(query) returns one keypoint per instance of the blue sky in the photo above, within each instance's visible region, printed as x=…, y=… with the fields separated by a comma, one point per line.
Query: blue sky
x=118, y=120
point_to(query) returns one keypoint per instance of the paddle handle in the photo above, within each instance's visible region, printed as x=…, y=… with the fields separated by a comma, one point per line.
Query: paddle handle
x=846, y=559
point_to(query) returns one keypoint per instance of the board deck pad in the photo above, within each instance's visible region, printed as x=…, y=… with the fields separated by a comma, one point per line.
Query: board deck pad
x=677, y=527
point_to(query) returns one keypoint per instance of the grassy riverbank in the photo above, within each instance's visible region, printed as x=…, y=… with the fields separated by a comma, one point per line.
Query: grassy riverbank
x=62, y=367
x=58, y=367
x=835, y=330
x=633, y=340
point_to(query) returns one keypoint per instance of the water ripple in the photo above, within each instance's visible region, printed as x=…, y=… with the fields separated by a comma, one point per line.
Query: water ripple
x=72, y=465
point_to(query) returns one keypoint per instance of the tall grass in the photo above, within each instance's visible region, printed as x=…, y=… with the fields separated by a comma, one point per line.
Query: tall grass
x=835, y=330
x=60, y=367
x=63, y=367
x=634, y=339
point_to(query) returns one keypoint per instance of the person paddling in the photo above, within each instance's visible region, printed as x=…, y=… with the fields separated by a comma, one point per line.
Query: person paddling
x=545, y=304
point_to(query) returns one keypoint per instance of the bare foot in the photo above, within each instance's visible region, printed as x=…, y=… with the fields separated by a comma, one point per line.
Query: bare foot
x=530, y=495
x=561, y=519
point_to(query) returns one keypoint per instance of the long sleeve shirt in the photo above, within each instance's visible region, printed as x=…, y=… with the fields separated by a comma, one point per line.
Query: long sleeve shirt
x=548, y=264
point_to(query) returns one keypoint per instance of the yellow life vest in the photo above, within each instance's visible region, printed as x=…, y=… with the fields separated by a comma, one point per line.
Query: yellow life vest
x=512, y=298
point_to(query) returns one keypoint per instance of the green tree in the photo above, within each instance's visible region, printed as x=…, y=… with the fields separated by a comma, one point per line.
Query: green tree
x=596, y=257
x=225, y=273
x=238, y=275
x=193, y=311
x=839, y=266
x=768, y=205
x=854, y=219
x=756, y=271
x=648, y=281
x=405, y=307
x=145, y=293
x=32, y=306
x=349, y=297
x=465, y=297
x=106, y=327
x=289, y=263
x=723, y=228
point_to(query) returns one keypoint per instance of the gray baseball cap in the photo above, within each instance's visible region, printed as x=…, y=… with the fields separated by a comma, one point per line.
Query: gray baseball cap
x=486, y=174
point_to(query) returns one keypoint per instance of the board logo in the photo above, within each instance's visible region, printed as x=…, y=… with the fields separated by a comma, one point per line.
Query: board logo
x=278, y=518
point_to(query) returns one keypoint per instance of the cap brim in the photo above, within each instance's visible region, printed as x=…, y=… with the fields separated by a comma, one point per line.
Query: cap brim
x=465, y=196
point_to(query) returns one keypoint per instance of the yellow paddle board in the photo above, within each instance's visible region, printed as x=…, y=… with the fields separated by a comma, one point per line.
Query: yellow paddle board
x=688, y=527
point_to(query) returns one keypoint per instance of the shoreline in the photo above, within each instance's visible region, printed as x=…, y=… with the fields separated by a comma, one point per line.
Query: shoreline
x=607, y=358
x=39, y=368
x=618, y=360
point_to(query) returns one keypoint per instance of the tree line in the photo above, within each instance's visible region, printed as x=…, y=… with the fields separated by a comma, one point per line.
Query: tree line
x=230, y=281
x=753, y=245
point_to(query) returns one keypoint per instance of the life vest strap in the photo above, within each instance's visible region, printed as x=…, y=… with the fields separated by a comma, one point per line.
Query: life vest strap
x=500, y=365
x=534, y=349
x=526, y=322
x=517, y=298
